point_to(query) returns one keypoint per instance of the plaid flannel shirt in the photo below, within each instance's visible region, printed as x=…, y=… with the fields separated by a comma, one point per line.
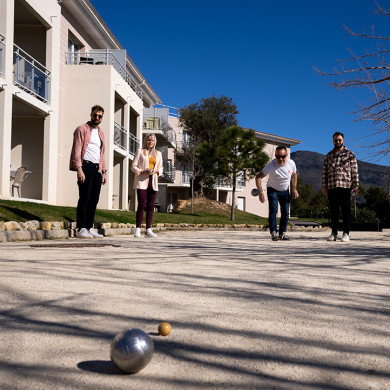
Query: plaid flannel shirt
x=340, y=170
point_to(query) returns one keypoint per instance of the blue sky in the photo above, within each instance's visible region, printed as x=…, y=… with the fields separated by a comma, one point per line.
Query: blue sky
x=260, y=53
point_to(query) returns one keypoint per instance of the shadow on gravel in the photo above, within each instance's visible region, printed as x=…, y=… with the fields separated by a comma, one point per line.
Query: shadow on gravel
x=306, y=284
x=105, y=367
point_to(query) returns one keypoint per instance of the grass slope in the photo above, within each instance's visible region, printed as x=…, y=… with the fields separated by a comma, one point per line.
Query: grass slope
x=205, y=212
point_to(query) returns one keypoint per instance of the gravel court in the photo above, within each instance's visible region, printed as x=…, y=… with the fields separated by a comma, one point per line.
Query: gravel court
x=246, y=312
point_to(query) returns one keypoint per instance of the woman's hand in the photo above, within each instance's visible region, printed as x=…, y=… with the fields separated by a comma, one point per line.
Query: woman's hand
x=149, y=171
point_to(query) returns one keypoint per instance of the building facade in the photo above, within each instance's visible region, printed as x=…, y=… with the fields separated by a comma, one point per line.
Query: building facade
x=57, y=60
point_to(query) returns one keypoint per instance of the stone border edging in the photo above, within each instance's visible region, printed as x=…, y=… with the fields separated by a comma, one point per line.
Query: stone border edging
x=37, y=231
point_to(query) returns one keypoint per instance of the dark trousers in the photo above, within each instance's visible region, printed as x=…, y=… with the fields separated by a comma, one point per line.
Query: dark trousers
x=275, y=197
x=340, y=197
x=145, y=202
x=89, y=193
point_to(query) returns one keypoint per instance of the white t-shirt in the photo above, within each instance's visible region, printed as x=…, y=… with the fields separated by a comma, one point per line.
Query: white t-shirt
x=279, y=176
x=93, y=149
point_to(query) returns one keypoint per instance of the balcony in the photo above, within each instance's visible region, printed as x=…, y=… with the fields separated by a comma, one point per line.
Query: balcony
x=133, y=144
x=104, y=57
x=227, y=184
x=31, y=75
x=160, y=124
x=172, y=111
x=186, y=177
x=2, y=55
x=168, y=171
x=120, y=136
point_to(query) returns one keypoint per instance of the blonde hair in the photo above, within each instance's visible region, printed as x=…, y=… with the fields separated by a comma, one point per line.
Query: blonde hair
x=144, y=144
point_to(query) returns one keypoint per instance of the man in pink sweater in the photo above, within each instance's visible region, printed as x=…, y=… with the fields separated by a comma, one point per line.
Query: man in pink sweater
x=87, y=158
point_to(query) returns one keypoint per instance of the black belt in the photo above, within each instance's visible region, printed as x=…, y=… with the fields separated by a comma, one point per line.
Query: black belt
x=90, y=162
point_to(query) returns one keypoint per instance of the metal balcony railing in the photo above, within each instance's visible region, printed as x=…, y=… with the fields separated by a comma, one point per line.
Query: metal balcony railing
x=99, y=57
x=31, y=75
x=168, y=171
x=158, y=122
x=228, y=183
x=2, y=55
x=186, y=177
x=120, y=136
x=133, y=144
x=172, y=111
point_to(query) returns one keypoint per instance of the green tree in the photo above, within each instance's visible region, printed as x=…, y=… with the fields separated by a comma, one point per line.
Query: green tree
x=300, y=205
x=364, y=215
x=204, y=122
x=377, y=199
x=238, y=154
x=310, y=204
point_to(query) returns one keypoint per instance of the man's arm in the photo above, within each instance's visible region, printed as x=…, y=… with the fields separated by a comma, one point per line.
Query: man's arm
x=354, y=174
x=77, y=146
x=324, y=178
x=294, y=181
x=259, y=176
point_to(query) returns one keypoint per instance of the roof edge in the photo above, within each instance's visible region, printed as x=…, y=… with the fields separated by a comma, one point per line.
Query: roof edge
x=101, y=24
x=276, y=138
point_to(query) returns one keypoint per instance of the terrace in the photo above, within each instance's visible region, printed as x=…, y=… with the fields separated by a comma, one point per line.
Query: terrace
x=31, y=75
x=115, y=58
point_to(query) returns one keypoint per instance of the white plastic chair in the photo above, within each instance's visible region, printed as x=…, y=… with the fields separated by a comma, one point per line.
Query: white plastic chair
x=19, y=176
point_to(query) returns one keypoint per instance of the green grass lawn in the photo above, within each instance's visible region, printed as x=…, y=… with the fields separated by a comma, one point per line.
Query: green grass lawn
x=27, y=211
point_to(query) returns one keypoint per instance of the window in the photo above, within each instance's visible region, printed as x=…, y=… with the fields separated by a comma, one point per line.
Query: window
x=153, y=123
x=186, y=138
x=73, y=50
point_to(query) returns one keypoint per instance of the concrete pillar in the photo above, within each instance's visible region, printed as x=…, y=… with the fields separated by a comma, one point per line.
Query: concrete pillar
x=108, y=128
x=125, y=185
x=125, y=170
x=7, y=29
x=50, y=144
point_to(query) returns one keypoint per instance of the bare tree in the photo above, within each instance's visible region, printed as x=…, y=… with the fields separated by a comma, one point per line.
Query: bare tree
x=187, y=156
x=370, y=70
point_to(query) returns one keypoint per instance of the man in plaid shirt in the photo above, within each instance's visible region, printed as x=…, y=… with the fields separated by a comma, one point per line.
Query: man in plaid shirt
x=340, y=179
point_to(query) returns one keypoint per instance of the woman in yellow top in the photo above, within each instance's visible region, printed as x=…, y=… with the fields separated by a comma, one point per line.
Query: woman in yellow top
x=147, y=166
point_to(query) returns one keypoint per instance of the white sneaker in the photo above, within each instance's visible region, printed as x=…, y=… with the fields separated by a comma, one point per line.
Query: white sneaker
x=150, y=234
x=137, y=233
x=332, y=237
x=84, y=233
x=94, y=233
x=345, y=237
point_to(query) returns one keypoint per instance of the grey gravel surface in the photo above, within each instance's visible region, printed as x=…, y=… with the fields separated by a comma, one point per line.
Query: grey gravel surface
x=246, y=312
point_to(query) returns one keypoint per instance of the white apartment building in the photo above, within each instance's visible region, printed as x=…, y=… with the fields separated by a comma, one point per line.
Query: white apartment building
x=58, y=59
x=163, y=122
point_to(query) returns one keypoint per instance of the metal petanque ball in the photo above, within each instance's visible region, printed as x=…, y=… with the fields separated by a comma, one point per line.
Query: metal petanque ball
x=131, y=350
x=255, y=192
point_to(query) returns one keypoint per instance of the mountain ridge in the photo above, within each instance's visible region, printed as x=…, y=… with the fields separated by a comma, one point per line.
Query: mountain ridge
x=309, y=167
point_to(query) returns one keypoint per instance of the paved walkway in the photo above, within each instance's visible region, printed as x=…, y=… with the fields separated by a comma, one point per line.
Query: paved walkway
x=246, y=312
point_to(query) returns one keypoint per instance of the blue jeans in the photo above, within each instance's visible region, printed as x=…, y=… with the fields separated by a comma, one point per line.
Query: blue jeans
x=275, y=197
